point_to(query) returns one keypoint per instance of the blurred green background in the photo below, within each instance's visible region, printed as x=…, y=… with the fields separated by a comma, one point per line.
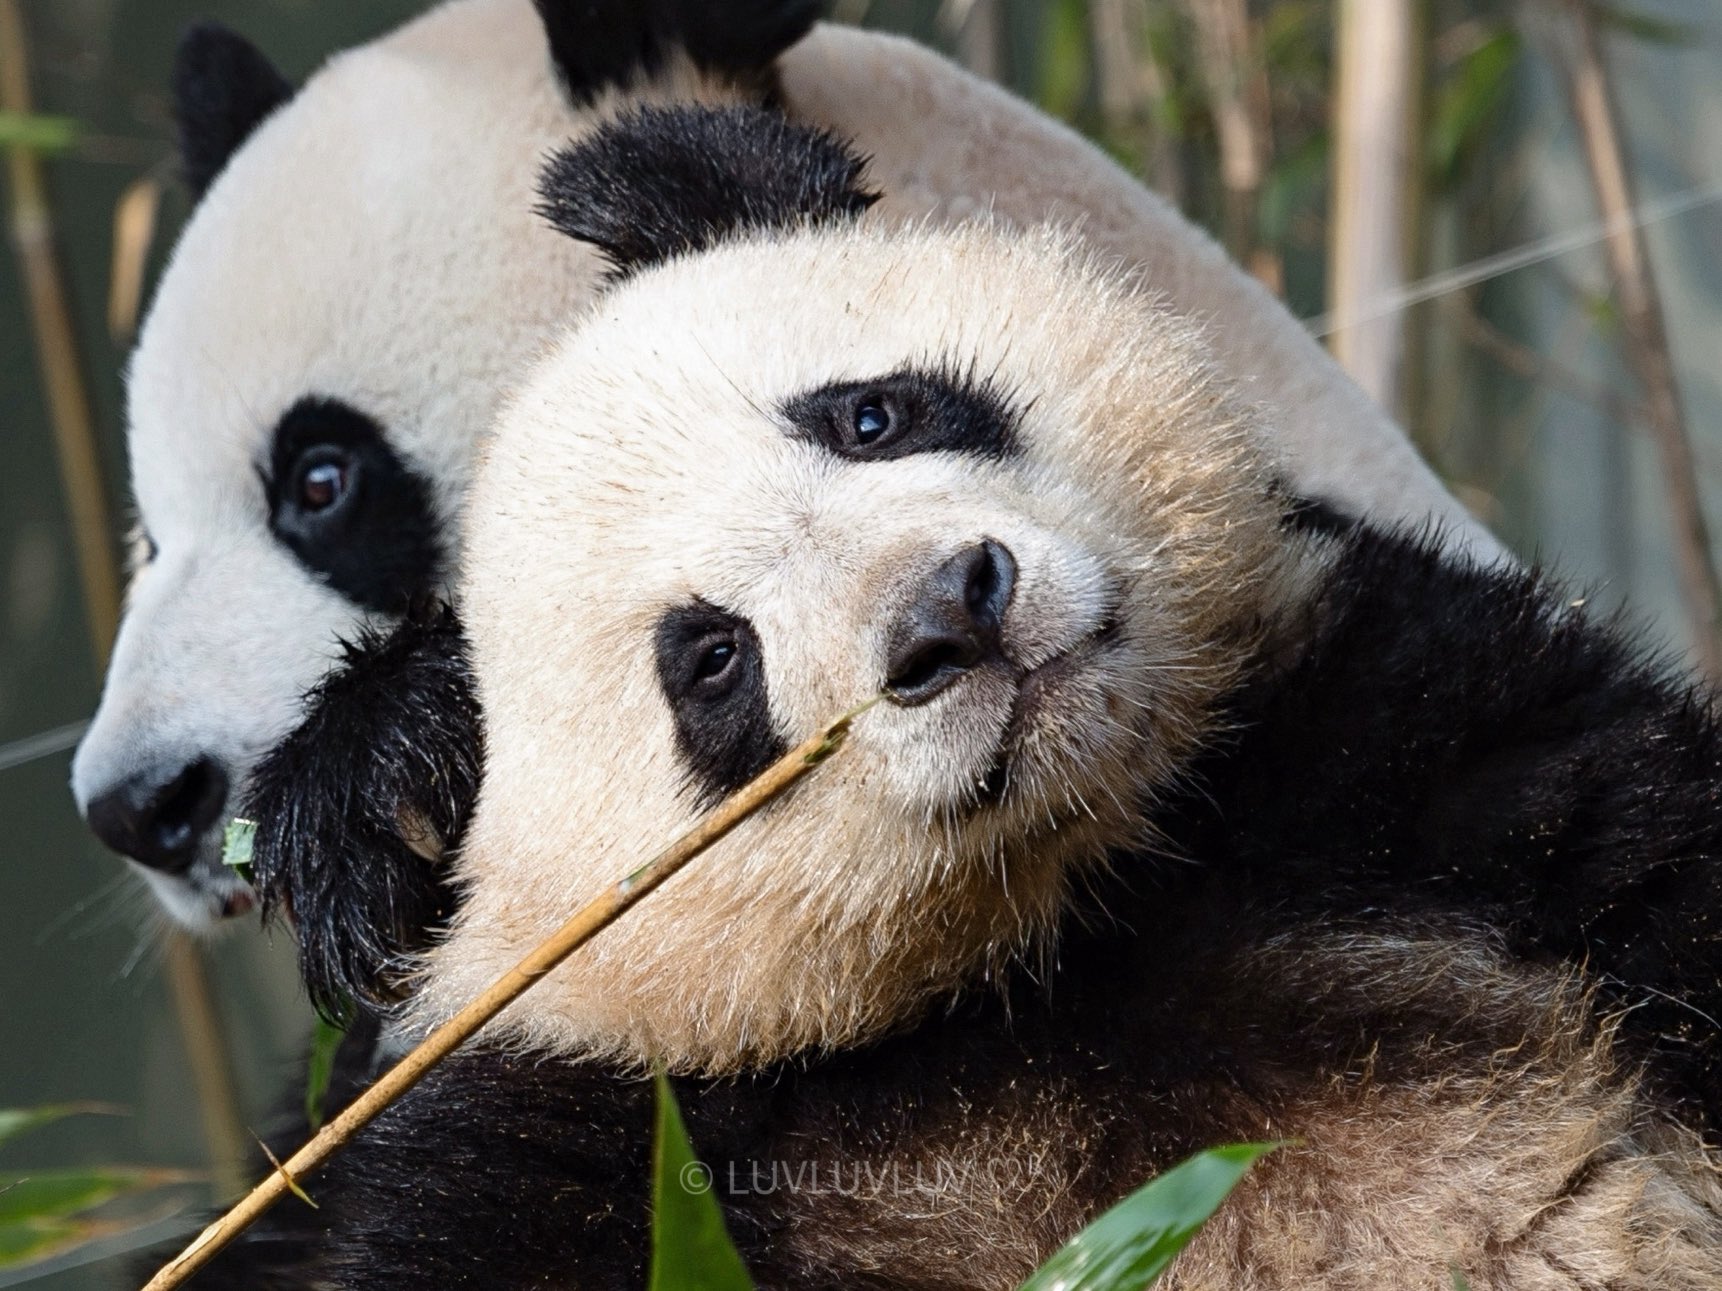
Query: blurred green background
x=1515, y=352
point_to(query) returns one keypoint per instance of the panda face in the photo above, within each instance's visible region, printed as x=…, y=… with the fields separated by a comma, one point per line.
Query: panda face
x=972, y=471
x=325, y=347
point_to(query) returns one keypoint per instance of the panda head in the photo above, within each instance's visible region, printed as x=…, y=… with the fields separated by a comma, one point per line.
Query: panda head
x=790, y=461
x=361, y=273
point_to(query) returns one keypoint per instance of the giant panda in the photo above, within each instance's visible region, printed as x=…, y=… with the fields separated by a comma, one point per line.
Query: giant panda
x=1198, y=812
x=362, y=272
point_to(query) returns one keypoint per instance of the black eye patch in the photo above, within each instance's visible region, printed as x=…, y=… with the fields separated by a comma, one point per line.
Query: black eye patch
x=713, y=676
x=911, y=410
x=349, y=508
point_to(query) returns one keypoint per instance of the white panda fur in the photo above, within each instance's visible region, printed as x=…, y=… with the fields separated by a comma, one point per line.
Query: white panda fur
x=373, y=241
x=1475, y=983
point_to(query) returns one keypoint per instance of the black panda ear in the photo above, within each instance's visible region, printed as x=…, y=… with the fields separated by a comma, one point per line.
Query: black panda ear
x=662, y=182
x=596, y=46
x=223, y=86
x=358, y=808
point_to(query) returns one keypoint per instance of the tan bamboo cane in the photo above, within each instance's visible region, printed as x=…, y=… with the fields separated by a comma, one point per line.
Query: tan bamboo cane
x=590, y=920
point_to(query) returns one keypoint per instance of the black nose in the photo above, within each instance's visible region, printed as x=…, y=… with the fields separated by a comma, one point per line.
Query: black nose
x=159, y=823
x=953, y=623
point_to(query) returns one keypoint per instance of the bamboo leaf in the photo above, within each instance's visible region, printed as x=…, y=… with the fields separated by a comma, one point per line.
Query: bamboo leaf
x=691, y=1248
x=1467, y=104
x=326, y=1038
x=25, y=1243
x=39, y=133
x=1131, y=1244
x=35, y=1195
x=20, y=1120
x=1643, y=26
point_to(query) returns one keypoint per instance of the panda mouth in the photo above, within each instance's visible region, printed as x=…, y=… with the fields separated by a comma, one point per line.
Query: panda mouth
x=1037, y=689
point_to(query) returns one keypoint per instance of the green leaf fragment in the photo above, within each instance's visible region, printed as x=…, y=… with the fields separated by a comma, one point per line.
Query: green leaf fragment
x=237, y=842
x=1131, y=1244
x=326, y=1038
x=35, y=1195
x=18, y=1120
x=37, y=132
x=691, y=1248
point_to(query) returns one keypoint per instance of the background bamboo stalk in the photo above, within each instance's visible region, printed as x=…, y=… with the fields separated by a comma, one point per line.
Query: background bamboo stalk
x=1131, y=86
x=978, y=27
x=587, y=922
x=98, y=566
x=1373, y=101
x=1645, y=336
x=1236, y=81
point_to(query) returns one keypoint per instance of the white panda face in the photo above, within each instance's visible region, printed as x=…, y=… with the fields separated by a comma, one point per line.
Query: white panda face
x=334, y=330
x=762, y=484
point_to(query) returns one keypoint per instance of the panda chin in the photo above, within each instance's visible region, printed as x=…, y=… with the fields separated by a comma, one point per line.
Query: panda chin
x=1043, y=693
x=205, y=900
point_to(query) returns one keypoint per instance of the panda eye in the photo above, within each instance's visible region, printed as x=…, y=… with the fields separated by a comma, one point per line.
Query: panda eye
x=872, y=421
x=939, y=409
x=714, y=660
x=712, y=674
x=324, y=477
x=356, y=514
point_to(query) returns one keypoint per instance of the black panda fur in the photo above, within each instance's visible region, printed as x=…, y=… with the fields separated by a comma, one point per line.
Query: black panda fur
x=594, y=47
x=223, y=88
x=662, y=182
x=392, y=740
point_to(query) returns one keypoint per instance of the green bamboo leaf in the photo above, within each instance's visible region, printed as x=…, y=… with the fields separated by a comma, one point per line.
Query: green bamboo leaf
x=238, y=841
x=1643, y=26
x=1467, y=104
x=26, y=1243
x=326, y=1038
x=1131, y=1244
x=34, y=1195
x=37, y=132
x=19, y=1120
x=691, y=1248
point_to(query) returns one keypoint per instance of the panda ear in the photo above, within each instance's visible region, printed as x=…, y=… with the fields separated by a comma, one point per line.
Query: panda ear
x=223, y=87
x=597, y=46
x=663, y=182
x=358, y=808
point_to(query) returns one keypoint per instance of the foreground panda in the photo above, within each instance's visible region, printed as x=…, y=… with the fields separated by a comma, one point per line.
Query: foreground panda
x=363, y=271
x=1199, y=815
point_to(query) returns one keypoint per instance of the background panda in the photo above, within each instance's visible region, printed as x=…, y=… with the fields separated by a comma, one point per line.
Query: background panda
x=364, y=270
x=1199, y=812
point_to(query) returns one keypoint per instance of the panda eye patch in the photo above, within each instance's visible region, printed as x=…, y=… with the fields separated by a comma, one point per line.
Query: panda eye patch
x=349, y=508
x=713, y=676
x=911, y=410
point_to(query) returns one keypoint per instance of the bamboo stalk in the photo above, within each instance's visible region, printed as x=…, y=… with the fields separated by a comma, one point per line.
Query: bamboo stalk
x=978, y=28
x=1236, y=79
x=1646, y=337
x=57, y=352
x=85, y=491
x=587, y=922
x=1132, y=88
x=1375, y=73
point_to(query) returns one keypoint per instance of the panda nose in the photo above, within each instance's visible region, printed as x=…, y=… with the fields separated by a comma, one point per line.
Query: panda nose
x=159, y=822
x=953, y=623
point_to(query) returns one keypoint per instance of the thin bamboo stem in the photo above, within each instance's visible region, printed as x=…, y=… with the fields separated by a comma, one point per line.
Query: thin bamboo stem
x=1232, y=68
x=74, y=429
x=587, y=922
x=1374, y=75
x=1646, y=338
